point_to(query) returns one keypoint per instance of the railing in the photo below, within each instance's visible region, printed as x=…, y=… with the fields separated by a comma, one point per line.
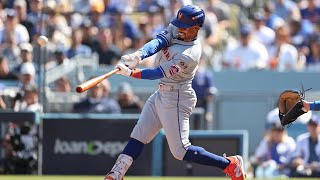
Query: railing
x=75, y=65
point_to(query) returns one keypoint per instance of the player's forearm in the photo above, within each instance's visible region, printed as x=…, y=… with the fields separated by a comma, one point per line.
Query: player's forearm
x=150, y=74
x=153, y=46
x=314, y=106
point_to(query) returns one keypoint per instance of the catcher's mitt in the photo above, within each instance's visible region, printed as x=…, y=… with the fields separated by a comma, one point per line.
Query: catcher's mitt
x=290, y=106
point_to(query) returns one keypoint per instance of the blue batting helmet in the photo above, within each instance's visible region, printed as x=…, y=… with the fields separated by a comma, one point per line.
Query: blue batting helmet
x=188, y=16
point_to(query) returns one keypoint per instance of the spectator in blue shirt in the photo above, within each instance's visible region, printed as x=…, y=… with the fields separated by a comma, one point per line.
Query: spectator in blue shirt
x=300, y=31
x=272, y=20
x=146, y=5
x=306, y=162
x=205, y=90
x=97, y=102
x=123, y=23
x=285, y=8
x=77, y=48
x=313, y=58
x=97, y=18
x=35, y=8
x=311, y=12
x=273, y=154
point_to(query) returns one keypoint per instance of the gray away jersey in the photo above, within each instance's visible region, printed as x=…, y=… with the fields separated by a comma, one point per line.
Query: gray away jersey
x=179, y=61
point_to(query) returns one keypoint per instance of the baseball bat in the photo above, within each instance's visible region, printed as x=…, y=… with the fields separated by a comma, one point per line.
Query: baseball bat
x=94, y=81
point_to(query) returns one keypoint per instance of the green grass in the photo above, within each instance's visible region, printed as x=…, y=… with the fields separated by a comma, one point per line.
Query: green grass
x=17, y=177
x=99, y=178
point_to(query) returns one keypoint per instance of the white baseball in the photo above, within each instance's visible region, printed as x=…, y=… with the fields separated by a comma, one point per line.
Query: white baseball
x=42, y=40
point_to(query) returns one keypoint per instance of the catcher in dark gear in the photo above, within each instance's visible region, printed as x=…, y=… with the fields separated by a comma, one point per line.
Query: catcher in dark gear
x=292, y=105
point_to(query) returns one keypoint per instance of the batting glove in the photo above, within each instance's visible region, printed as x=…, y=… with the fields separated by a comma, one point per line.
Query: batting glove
x=124, y=70
x=132, y=60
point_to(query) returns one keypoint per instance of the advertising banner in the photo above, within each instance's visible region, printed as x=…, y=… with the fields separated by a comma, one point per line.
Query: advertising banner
x=88, y=146
x=231, y=143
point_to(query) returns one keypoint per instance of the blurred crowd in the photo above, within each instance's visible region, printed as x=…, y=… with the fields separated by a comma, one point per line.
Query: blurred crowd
x=75, y=29
x=279, y=155
x=19, y=149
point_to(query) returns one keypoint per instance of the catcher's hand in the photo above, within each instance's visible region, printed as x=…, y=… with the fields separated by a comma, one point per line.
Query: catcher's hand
x=290, y=106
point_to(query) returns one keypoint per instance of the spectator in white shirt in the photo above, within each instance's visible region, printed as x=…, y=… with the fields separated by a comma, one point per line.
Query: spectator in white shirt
x=26, y=79
x=12, y=25
x=247, y=54
x=60, y=59
x=29, y=101
x=262, y=33
x=283, y=55
x=10, y=49
x=27, y=74
x=26, y=56
x=62, y=85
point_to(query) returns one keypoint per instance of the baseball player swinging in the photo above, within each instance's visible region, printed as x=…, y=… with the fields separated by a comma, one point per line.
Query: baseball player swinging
x=178, y=52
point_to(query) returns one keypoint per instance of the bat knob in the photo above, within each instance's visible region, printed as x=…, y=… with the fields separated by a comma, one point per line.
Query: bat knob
x=79, y=89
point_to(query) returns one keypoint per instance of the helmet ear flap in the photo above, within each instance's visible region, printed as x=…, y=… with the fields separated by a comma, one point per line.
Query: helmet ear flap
x=201, y=19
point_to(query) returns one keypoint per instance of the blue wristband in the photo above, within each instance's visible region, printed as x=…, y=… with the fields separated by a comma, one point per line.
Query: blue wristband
x=315, y=106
